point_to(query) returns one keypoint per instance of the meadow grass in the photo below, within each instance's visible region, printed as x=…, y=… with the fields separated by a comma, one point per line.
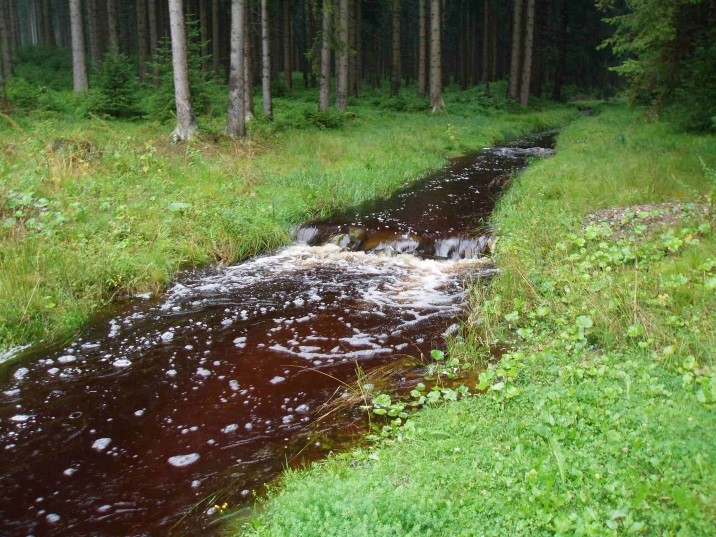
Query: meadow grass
x=93, y=209
x=598, y=419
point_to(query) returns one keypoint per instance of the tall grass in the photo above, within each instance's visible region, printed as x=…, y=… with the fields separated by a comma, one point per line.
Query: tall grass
x=94, y=209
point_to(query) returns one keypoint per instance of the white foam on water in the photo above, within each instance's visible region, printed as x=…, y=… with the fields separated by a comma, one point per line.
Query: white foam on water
x=230, y=428
x=166, y=337
x=277, y=380
x=66, y=359
x=20, y=418
x=101, y=444
x=21, y=373
x=183, y=460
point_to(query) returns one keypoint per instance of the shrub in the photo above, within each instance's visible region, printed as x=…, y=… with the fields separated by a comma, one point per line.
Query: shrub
x=45, y=67
x=116, y=87
x=22, y=94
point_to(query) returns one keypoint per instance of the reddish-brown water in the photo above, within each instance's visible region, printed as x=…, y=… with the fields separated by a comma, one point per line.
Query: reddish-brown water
x=168, y=405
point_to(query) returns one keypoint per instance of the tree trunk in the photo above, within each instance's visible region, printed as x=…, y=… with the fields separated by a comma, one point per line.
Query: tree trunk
x=464, y=60
x=516, y=50
x=204, y=36
x=48, y=26
x=436, y=79
x=358, y=79
x=92, y=33
x=153, y=38
x=248, y=67
x=5, y=38
x=527, y=65
x=325, y=92
x=236, y=126
x=349, y=44
x=79, y=67
x=287, y=67
x=186, y=122
x=215, y=35
x=342, y=67
x=112, y=26
x=395, y=50
x=266, y=60
x=562, y=58
x=486, y=46
x=142, y=38
x=422, y=45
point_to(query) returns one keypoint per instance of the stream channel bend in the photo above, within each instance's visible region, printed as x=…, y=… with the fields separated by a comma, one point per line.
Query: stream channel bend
x=135, y=426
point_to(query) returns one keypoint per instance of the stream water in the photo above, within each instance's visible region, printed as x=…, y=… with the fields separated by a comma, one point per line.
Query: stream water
x=165, y=406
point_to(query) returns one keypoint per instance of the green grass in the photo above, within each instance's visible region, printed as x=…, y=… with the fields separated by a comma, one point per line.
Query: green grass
x=92, y=210
x=599, y=420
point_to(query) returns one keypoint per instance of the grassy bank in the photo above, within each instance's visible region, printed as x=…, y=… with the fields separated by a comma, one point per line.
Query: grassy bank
x=599, y=420
x=92, y=210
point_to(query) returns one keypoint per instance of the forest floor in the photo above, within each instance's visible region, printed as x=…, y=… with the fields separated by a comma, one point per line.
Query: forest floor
x=94, y=210
x=599, y=418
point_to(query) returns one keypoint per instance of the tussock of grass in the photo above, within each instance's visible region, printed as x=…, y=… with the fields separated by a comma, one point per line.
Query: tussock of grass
x=604, y=424
x=93, y=209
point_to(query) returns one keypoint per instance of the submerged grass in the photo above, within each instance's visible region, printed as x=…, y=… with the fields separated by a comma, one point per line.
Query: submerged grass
x=93, y=209
x=599, y=420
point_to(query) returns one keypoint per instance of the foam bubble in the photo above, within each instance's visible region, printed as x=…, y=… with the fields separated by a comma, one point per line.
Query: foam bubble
x=101, y=444
x=183, y=460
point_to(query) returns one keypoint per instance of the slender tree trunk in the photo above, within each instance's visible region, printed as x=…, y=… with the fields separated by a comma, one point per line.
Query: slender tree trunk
x=342, y=67
x=464, y=60
x=422, y=46
x=79, y=66
x=204, y=36
x=142, y=38
x=48, y=26
x=562, y=58
x=11, y=10
x=395, y=50
x=112, y=26
x=349, y=41
x=186, y=122
x=527, y=65
x=436, y=79
x=5, y=39
x=287, y=67
x=266, y=60
x=325, y=92
x=153, y=38
x=486, y=46
x=248, y=66
x=215, y=39
x=516, y=50
x=236, y=126
x=358, y=46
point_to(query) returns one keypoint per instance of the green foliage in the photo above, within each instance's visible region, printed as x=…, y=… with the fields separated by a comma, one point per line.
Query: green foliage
x=45, y=67
x=160, y=103
x=22, y=95
x=137, y=210
x=116, y=87
x=668, y=51
x=599, y=417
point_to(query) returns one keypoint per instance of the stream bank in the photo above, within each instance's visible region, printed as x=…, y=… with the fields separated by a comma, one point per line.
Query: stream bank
x=168, y=405
x=610, y=423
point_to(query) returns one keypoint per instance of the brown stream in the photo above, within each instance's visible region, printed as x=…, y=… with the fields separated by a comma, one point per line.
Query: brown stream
x=165, y=406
